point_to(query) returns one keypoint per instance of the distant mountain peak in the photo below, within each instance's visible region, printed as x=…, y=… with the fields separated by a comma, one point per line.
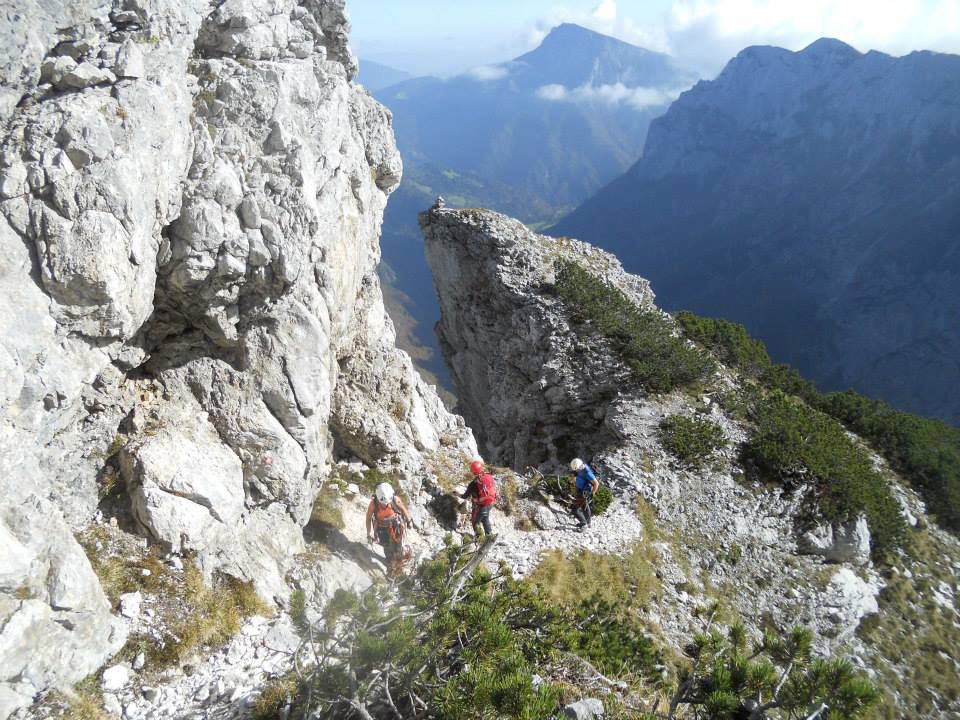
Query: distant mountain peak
x=572, y=55
x=571, y=30
x=826, y=46
x=566, y=34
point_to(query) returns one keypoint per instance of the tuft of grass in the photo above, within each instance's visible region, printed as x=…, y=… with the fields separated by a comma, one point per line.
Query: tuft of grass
x=509, y=493
x=919, y=638
x=119, y=575
x=325, y=508
x=298, y=608
x=213, y=615
x=278, y=694
x=658, y=359
x=647, y=515
x=692, y=440
x=86, y=701
x=629, y=581
x=524, y=523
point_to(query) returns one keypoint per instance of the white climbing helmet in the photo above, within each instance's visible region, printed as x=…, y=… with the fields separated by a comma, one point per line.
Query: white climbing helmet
x=384, y=493
x=576, y=464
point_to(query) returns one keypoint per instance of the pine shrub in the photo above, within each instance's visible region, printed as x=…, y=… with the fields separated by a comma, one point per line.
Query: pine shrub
x=658, y=359
x=475, y=657
x=729, y=676
x=794, y=442
x=692, y=440
x=926, y=451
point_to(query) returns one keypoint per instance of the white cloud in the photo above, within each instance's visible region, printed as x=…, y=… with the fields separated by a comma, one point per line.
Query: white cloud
x=639, y=98
x=487, y=73
x=606, y=11
x=552, y=92
x=707, y=33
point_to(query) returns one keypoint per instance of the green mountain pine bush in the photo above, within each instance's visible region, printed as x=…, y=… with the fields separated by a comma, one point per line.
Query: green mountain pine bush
x=659, y=360
x=926, y=451
x=692, y=440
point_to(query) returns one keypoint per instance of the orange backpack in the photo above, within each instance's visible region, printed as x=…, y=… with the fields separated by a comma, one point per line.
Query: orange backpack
x=388, y=517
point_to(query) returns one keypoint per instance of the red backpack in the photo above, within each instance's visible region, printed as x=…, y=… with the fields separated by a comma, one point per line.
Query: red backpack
x=486, y=489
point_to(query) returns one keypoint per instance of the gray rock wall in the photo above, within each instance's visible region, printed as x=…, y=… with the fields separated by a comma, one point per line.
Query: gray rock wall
x=190, y=205
x=530, y=391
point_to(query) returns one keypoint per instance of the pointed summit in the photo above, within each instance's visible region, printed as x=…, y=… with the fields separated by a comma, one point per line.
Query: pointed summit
x=830, y=47
x=571, y=34
x=572, y=55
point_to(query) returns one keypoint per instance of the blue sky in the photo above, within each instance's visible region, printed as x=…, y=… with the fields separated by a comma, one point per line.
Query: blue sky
x=449, y=36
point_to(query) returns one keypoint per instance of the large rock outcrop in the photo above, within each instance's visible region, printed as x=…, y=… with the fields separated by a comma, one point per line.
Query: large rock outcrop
x=541, y=386
x=190, y=204
x=528, y=388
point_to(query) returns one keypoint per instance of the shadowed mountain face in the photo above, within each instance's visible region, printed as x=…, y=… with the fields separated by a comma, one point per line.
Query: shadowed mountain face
x=815, y=197
x=533, y=137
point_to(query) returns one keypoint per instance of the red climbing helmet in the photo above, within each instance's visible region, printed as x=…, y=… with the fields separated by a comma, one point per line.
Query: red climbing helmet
x=476, y=467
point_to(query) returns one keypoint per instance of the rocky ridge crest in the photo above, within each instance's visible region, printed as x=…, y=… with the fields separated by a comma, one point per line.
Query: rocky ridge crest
x=520, y=363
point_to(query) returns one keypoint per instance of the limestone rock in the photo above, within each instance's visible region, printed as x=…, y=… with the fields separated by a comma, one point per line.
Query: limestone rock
x=183, y=480
x=519, y=377
x=188, y=248
x=115, y=678
x=28, y=33
x=55, y=623
x=586, y=709
x=130, y=63
x=847, y=542
x=84, y=75
x=544, y=519
x=130, y=605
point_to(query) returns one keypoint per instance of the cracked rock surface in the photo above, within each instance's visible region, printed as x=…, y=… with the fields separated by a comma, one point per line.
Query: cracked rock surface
x=190, y=204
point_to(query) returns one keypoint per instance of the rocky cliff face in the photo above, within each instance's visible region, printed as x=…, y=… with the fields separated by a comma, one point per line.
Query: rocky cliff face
x=190, y=203
x=528, y=388
x=811, y=196
x=540, y=387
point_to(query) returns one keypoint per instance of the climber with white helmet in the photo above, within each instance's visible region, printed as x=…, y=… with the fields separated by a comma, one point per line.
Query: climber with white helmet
x=387, y=519
x=587, y=485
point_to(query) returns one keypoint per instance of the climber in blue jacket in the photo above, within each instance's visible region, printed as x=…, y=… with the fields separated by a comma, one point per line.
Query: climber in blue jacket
x=587, y=485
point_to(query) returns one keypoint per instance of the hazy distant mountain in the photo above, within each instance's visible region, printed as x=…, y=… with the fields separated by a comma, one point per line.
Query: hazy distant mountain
x=531, y=137
x=815, y=197
x=374, y=76
x=559, y=121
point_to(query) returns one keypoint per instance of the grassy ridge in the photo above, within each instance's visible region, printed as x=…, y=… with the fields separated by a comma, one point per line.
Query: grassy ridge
x=926, y=451
x=795, y=441
x=658, y=359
